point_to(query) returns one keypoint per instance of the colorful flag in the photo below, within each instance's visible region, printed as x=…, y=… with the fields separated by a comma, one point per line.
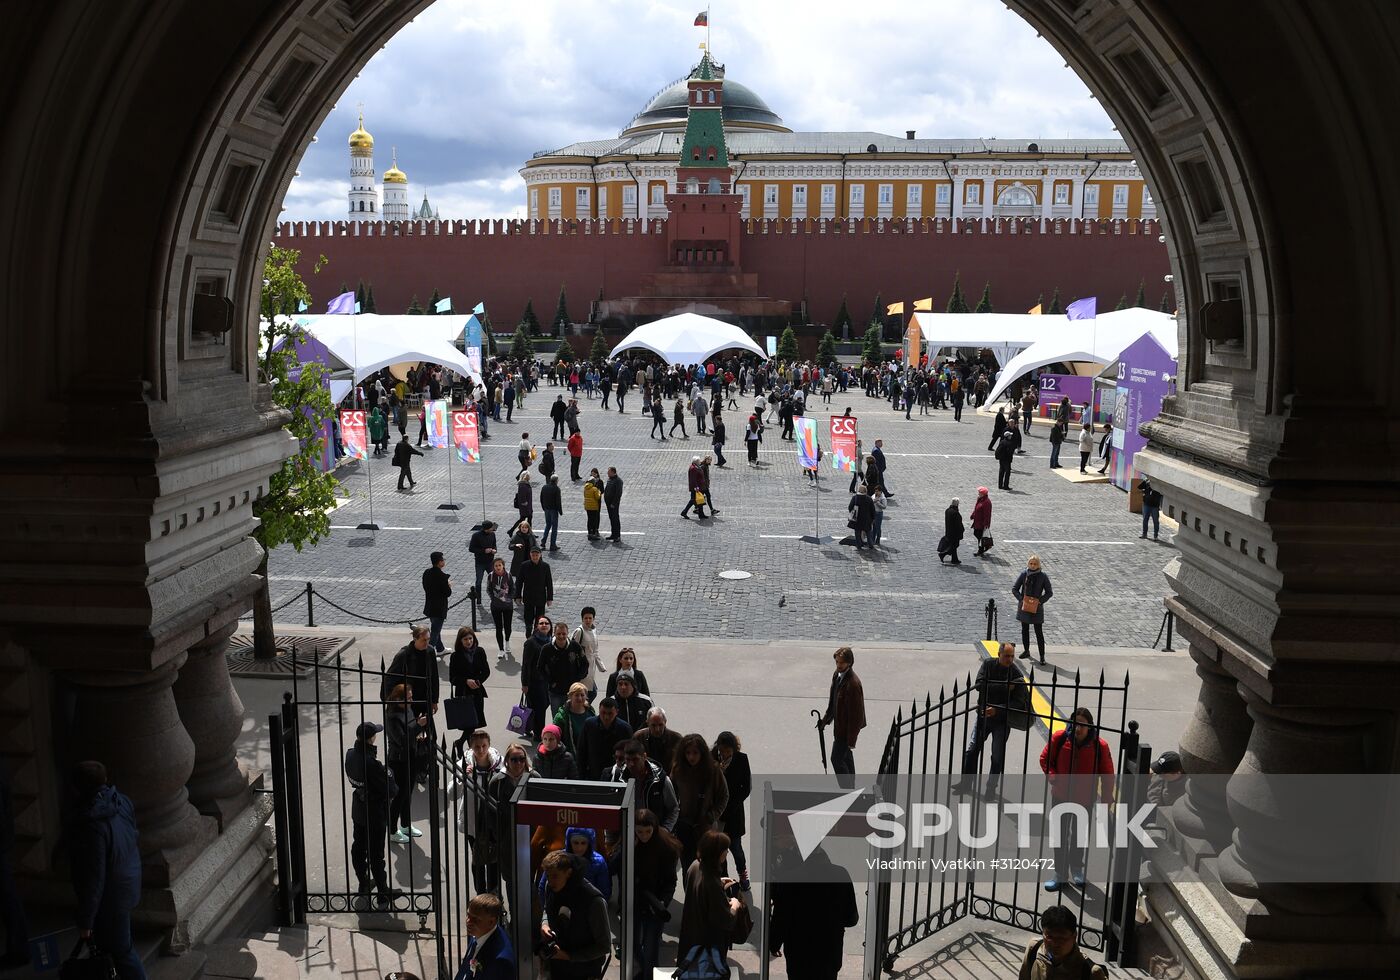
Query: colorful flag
x=357, y=307
x=436, y=410
x=894, y=308
x=923, y=305
x=805, y=429
x=301, y=306
x=843, y=443
x=464, y=434
x=354, y=439
x=479, y=309
x=1082, y=309
x=443, y=305
x=702, y=19
x=1035, y=310
x=342, y=304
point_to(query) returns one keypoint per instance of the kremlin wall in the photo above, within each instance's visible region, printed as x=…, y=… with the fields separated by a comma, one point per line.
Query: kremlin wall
x=505, y=263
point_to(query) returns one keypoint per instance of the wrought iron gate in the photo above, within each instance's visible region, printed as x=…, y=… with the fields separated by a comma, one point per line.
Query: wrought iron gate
x=929, y=741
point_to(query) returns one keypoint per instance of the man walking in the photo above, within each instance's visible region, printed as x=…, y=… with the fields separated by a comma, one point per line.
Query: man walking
x=717, y=440
x=994, y=683
x=1056, y=954
x=437, y=586
x=845, y=712
x=374, y=787
x=575, y=446
x=403, y=459
x=106, y=860
x=612, y=499
x=483, y=549
x=571, y=416
x=879, y=453
x=1006, y=452
x=534, y=586
x=556, y=415
x=552, y=502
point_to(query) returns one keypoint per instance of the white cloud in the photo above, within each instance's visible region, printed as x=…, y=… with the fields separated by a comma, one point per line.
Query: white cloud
x=470, y=89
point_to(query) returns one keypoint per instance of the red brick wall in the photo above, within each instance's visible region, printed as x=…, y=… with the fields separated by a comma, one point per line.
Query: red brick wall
x=511, y=264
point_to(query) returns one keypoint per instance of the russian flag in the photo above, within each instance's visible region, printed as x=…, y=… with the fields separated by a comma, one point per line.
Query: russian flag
x=702, y=19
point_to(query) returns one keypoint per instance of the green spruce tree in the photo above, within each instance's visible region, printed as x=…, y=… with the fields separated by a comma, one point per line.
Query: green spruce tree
x=872, y=350
x=1140, y=301
x=956, y=303
x=369, y=306
x=826, y=349
x=787, y=346
x=842, y=323
x=520, y=347
x=877, y=315
x=984, y=305
x=360, y=297
x=413, y=308
x=488, y=336
x=565, y=354
x=598, y=353
x=1122, y=303
x=1056, y=307
x=560, y=324
x=1040, y=302
x=433, y=303
x=528, y=320
x=1166, y=305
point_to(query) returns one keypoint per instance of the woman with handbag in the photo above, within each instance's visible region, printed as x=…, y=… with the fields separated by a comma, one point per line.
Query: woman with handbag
x=738, y=778
x=467, y=670
x=709, y=915
x=701, y=793
x=501, y=588
x=524, y=502
x=952, y=533
x=862, y=516
x=982, y=521
x=1032, y=591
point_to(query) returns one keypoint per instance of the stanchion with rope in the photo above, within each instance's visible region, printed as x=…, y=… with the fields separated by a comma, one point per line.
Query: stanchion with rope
x=992, y=619
x=1168, y=622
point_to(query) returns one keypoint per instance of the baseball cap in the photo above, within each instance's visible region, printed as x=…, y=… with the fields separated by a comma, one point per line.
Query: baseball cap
x=367, y=728
x=1166, y=762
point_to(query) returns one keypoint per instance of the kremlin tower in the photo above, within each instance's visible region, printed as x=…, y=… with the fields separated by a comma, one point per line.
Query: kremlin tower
x=364, y=199
x=396, y=207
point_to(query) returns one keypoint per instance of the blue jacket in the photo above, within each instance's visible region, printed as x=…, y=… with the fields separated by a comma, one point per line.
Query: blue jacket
x=495, y=962
x=106, y=859
x=596, y=873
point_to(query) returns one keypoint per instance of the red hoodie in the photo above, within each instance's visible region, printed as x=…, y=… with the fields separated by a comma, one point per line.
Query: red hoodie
x=1073, y=771
x=576, y=445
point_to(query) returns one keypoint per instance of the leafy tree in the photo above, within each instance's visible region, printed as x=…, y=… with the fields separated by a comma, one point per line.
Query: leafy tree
x=598, y=353
x=787, y=346
x=843, y=318
x=1056, y=307
x=826, y=349
x=369, y=306
x=984, y=305
x=1166, y=305
x=877, y=315
x=1140, y=301
x=872, y=350
x=433, y=303
x=296, y=508
x=413, y=308
x=520, y=347
x=561, y=321
x=528, y=320
x=1122, y=303
x=956, y=303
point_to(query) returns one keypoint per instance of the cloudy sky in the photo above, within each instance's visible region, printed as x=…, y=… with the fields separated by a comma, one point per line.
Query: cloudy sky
x=473, y=87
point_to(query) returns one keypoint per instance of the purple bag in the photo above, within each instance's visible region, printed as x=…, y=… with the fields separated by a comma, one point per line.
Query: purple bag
x=520, y=717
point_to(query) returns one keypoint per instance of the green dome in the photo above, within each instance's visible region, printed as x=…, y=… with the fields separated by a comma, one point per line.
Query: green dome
x=742, y=105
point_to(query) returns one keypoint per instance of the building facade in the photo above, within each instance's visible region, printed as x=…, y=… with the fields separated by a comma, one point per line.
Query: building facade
x=782, y=174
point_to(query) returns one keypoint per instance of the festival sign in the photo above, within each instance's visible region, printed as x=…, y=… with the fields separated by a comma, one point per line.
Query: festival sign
x=843, y=443
x=354, y=438
x=805, y=429
x=436, y=415
x=464, y=434
x=1146, y=374
x=1055, y=387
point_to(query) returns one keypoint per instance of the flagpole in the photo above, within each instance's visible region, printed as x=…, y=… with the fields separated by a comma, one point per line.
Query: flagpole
x=451, y=442
x=369, y=469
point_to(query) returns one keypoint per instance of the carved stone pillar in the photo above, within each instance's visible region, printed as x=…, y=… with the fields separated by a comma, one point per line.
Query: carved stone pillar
x=129, y=723
x=212, y=714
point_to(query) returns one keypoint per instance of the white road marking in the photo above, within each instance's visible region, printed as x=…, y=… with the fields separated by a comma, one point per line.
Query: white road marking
x=624, y=533
x=1124, y=544
x=354, y=527
x=791, y=537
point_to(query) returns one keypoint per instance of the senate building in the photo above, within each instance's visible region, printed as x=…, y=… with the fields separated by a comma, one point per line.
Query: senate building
x=784, y=174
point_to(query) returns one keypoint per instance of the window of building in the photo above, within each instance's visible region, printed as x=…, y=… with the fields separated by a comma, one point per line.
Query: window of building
x=744, y=197
x=534, y=201
x=944, y=194
x=974, y=192
x=714, y=185
x=857, y=194
x=799, y=195
x=371, y=205
x=828, y=195
x=886, y=193
x=658, y=194
x=629, y=195
x=914, y=195
x=1062, y=193
x=695, y=153
x=1146, y=196
x=1017, y=196
x=692, y=186
x=554, y=197
x=770, y=196
x=1120, y=195
x=711, y=153
x=1091, y=195
x=712, y=96
x=581, y=198
x=602, y=202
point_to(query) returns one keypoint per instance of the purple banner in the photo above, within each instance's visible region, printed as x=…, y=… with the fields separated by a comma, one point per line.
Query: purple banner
x=1145, y=371
x=1054, y=387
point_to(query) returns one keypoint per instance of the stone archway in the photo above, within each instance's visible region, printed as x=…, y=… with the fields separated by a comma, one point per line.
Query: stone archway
x=155, y=142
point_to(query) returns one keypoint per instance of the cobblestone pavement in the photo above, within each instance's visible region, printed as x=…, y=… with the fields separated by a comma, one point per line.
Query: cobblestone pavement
x=663, y=578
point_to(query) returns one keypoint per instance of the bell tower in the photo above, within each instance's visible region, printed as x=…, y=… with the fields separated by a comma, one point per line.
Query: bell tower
x=703, y=227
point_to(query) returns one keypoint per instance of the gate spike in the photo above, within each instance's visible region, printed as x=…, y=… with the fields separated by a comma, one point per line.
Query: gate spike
x=361, y=661
x=928, y=702
x=1125, y=680
x=1076, y=677
x=1101, y=677
x=941, y=695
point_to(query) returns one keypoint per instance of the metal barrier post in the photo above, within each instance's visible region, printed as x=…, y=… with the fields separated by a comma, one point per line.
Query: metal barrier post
x=310, y=606
x=991, y=619
x=1171, y=621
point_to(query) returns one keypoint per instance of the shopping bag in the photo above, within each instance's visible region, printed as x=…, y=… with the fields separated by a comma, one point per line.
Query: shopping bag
x=461, y=714
x=520, y=717
x=97, y=965
x=699, y=499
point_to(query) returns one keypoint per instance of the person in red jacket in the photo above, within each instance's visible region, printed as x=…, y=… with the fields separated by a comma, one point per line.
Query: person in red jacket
x=1080, y=770
x=575, y=455
x=982, y=521
x=695, y=483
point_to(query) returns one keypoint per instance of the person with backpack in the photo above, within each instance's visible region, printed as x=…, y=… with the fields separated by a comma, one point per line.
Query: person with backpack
x=1078, y=765
x=1056, y=954
x=1151, y=507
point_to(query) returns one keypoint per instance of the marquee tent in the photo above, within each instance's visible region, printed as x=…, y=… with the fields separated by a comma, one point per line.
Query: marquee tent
x=1004, y=334
x=687, y=338
x=368, y=342
x=1101, y=339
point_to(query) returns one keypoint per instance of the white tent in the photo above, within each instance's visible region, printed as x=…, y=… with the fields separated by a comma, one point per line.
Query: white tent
x=1004, y=334
x=1101, y=339
x=688, y=338
x=367, y=342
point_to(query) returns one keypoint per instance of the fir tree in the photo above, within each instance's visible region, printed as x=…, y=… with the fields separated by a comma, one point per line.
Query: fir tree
x=1166, y=305
x=1140, y=301
x=872, y=351
x=843, y=318
x=520, y=347
x=343, y=288
x=528, y=320
x=1040, y=302
x=1056, y=307
x=956, y=303
x=413, y=308
x=565, y=354
x=488, y=336
x=369, y=306
x=826, y=349
x=433, y=303
x=561, y=321
x=984, y=305
x=1122, y=303
x=787, y=346
x=598, y=353
x=360, y=296
x=877, y=315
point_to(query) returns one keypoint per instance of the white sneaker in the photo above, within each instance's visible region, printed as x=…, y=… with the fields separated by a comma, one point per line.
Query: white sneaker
x=399, y=837
x=411, y=831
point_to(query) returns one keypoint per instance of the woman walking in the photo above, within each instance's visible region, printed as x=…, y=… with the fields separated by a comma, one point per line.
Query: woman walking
x=467, y=670
x=738, y=778
x=524, y=503
x=656, y=866
x=877, y=522
x=952, y=533
x=520, y=544
x=753, y=435
x=701, y=793
x=862, y=512
x=409, y=745
x=1032, y=591
x=658, y=419
x=627, y=660
x=571, y=716
x=678, y=419
x=1086, y=444
x=708, y=916
x=982, y=521
x=526, y=453
x=501, y=588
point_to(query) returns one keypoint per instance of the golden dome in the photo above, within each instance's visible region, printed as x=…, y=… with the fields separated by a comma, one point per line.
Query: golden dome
x=360, y=139
x=394, y=175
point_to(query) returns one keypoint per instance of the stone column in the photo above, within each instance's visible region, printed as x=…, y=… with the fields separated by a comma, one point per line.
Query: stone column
x=129, y=722
x=958, y=192
x=1047, y=197
x=212, y=714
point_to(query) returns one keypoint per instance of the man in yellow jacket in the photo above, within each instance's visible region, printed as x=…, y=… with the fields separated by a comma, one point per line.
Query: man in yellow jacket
x=593, y=502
